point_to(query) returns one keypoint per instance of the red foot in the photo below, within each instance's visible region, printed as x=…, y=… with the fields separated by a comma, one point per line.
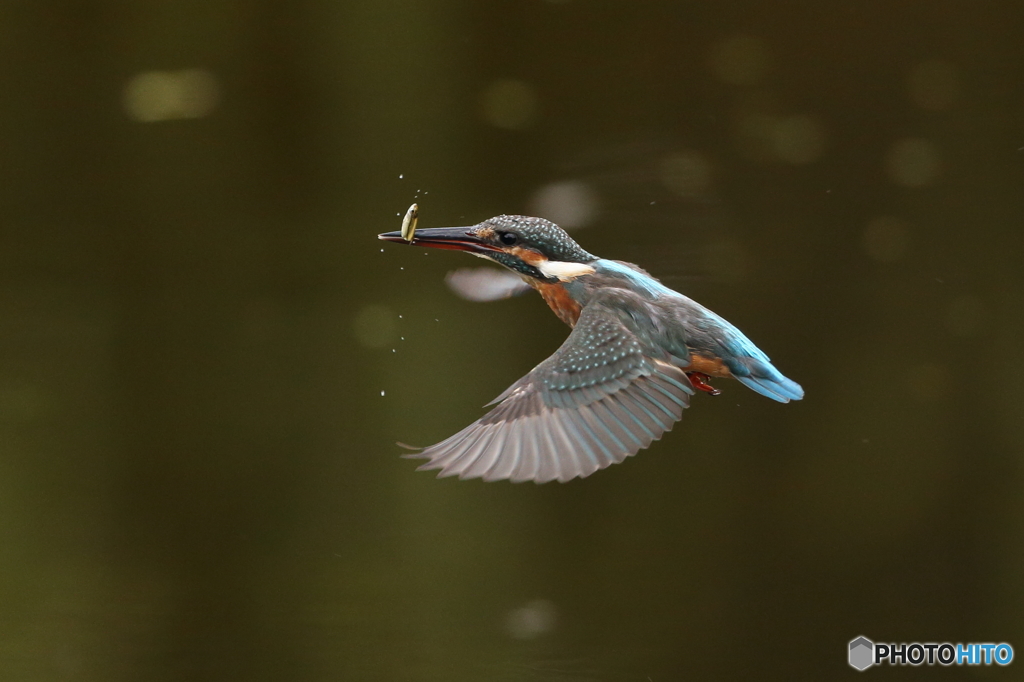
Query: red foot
x=700, y=382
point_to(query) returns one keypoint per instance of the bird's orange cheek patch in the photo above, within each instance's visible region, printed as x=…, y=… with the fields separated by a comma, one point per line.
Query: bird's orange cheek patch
x=528, y=256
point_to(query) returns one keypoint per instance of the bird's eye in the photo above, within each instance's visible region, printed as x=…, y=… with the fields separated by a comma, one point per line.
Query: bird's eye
x=508, y=238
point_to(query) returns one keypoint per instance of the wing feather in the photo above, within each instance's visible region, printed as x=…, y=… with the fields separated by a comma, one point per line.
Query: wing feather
x=477, y=444
x=599, y=399
x=634, y=429
x=641, y=418
x=502, y=466
x=451, y=449
x=485, y=454
x=602, y=429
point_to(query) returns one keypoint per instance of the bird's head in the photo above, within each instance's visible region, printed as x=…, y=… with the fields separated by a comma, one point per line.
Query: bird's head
x=533, y=247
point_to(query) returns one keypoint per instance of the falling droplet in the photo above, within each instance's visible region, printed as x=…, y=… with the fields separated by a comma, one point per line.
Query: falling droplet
x=400, y=176
x=382, y=394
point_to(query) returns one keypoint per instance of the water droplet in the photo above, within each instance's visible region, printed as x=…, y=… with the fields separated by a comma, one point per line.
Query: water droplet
x=382, y=393
x=400, y=176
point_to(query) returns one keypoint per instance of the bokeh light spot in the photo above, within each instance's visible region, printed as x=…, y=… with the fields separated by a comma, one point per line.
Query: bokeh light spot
x=797, y=139
x=570, y=203
x=913, y=162
x=933, y=84
x=740, y=60
x=375, y=326
x=166, y=95
x=509, y=104
x=886, y=239
x=531, y=620
x=687, y=174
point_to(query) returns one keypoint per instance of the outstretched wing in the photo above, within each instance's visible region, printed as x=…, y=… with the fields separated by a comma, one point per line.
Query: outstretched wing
x=599, y=399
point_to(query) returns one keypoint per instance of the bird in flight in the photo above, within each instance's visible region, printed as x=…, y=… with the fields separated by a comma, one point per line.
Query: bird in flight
x=636, y=354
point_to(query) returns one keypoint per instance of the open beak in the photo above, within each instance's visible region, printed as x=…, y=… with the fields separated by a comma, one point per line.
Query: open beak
x=455, y=238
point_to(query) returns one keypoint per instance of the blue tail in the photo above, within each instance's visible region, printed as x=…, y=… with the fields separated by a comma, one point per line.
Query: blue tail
x=767, y=381
x=751, y=366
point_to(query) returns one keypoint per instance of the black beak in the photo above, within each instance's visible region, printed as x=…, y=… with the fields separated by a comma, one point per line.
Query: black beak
x=455, y=238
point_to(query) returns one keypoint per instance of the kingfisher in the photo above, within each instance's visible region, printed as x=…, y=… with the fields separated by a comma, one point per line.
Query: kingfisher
x=637, y=353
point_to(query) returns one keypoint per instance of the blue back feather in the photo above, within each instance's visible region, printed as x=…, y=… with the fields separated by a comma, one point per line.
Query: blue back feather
x=745, y=361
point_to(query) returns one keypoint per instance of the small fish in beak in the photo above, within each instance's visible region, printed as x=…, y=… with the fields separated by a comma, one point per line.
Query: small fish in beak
x=409, y=222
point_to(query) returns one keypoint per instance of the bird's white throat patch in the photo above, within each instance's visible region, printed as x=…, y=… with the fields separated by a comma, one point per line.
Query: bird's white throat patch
x=564, y=271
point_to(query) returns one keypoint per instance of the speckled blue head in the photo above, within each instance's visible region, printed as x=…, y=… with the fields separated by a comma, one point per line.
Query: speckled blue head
x=538, y=234
x=524, y=241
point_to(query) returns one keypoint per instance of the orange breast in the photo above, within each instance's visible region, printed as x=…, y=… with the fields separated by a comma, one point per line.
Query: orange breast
x=713, y=367
x=558, y=299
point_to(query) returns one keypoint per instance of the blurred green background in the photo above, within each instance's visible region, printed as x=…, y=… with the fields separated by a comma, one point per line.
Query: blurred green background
x=206, y=357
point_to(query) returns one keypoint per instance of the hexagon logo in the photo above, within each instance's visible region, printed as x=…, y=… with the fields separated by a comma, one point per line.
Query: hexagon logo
x=862, y=653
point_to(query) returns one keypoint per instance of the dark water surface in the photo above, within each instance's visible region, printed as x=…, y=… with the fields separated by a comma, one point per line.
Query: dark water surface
x=206, y=358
